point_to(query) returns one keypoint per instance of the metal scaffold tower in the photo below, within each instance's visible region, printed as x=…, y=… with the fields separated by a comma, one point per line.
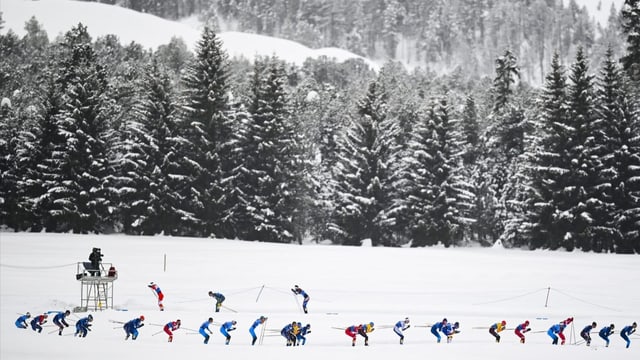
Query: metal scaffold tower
x=96, y=286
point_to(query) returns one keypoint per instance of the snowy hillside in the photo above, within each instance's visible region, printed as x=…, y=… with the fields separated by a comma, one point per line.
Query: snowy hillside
x=150, y=31
x=599, y=9
x=347, y=285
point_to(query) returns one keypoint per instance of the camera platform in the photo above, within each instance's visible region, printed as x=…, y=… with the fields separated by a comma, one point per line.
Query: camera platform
x=96, y=286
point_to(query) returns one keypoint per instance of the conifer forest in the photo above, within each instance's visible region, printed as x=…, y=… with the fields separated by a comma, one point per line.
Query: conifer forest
x=490, y=120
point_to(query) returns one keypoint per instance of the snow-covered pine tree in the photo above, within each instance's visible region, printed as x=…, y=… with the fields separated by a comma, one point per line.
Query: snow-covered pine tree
x=8, y=178
x=204, y=126
x=550, y=173
x=505, y=142
x=631, y=27
x=145, y=152
x=430, y=197
x=80, y=198
x=580, y=191
x=362, y=180
x=275, y=166
x=619, y=190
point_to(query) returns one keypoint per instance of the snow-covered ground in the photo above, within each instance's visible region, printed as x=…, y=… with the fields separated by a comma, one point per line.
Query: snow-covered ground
x=59, y=16
x=347, y=285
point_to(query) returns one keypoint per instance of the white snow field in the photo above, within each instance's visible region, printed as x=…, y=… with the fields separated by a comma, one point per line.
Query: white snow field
x=347, y=285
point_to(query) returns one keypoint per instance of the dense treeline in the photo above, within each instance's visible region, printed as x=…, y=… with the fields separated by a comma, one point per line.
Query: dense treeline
x=100, y=137
x=436, y=34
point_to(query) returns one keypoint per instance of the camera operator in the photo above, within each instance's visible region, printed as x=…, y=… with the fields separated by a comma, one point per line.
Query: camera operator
x=95, y=257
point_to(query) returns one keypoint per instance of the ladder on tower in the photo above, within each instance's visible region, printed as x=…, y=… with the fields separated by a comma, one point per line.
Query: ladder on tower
x=96, y=288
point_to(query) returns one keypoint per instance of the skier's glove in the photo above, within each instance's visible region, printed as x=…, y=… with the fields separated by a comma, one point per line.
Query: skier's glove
x=527, y=330
x=408, y=326
x=141, y=325
x=232, y=329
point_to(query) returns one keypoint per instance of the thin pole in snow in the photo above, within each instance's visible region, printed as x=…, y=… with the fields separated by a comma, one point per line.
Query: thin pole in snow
x=547, y=300
x=259, y=293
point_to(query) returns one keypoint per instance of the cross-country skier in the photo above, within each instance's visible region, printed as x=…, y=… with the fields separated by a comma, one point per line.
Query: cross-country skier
x=60, y=319
x=605, y=332
x=225, y=328
x=36, y=323
x=401, y=326
x=131, y=327
x=303, y=330
x=219, y=299
x=170, y=327
x=586, y=332
x=252, y=329
x=438, y=327
x=449, y=330
x=82, y=326
x=290, y=332
x=21, y=322
x=158, y=293
x=626, y=331
x=496, y=328
x=555, y=332
x=362, y=330
x=521, y=329
x=298, y=291
x=204, y=328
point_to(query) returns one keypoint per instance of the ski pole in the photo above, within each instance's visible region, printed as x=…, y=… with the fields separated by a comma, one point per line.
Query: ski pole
x=262, y=332
x=228, y=308
x=154, y=334
x=298, y=302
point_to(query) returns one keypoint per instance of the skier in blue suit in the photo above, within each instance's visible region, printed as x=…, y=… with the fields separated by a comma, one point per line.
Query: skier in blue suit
x=438, y=327
x=82, y=326
x=449, y=330
x=556, y=331
x=252, y=329
x=225, y=328
x=401, y=326
x=605, y=332
x=132, y=326
x=626, y=331
x=21, y=322
x=586, y=332
x=303, y=330
x=60, y=319
x=298, y=291
x=204, y=328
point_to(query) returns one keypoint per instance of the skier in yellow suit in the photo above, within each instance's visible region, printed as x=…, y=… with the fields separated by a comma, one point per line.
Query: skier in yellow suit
x=496, y=328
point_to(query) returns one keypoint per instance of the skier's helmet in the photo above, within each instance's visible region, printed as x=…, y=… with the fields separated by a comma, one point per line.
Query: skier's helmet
x=504, y=323
x=28, y=314
x=526, y=323
x=612, y=326
x=67, y=312
x=90, y=317
x=406, y=320
x=444, y=320
x=141, y=317
x=371, y=324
